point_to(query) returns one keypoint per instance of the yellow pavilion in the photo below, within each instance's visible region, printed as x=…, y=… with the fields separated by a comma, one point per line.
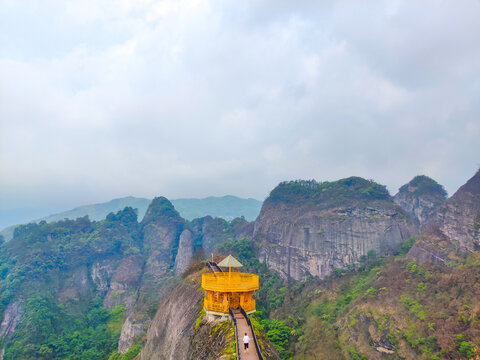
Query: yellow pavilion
x=229, y=290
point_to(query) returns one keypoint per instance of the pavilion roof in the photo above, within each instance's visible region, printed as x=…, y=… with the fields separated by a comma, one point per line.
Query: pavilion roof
x=230, y=261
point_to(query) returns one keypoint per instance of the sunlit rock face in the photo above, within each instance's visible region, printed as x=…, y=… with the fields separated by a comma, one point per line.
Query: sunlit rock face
x=308, y=228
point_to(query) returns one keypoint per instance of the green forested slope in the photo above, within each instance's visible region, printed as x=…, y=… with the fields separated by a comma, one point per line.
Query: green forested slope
x=38, y=263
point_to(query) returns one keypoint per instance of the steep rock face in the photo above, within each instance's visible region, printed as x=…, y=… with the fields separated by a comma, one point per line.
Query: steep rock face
x=130, y=330
x=101, y=273
x=124, y=283
x=76, y=285
x=242, y=228
x=185, y=252
x=420, y=198
x=309, y=228
x=459, y=218
x=162, y=226
x=12, y=315
x=211, y=232
x=169, y=333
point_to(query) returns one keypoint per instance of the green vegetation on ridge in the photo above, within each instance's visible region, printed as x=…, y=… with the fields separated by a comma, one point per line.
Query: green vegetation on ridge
x=423, y=185
x=337, y=192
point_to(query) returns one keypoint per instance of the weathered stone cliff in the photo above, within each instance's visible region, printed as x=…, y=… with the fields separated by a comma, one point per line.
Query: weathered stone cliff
x=13, y=314
x=459, y=218
x=454, y=228
x=169, y=334
x=420, y=198
x=309, y=228
x=162, y=226
x=185, y=252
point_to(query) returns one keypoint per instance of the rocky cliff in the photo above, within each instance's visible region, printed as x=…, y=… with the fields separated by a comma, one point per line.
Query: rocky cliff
x=180, y=331
x=420, y=198
x=459, y=218
x=454, y=229
x=169, y=335
x=309, y=228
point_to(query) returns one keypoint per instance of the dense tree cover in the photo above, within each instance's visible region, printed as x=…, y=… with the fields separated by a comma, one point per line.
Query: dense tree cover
x=46, y=331
x=352, y=188
x=162, y=210
x=33, y=267
x=129, y=355
x=423, y=185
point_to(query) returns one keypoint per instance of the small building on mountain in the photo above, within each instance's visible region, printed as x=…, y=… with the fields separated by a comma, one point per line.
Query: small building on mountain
x=229, y=290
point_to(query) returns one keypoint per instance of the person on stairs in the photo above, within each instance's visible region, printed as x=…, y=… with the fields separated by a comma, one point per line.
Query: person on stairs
x=246, y=340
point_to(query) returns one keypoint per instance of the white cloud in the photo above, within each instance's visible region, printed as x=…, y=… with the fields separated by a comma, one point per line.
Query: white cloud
x=195, y=97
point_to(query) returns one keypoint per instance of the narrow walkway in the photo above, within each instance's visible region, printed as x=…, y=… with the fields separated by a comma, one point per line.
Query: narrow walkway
x=242, y=329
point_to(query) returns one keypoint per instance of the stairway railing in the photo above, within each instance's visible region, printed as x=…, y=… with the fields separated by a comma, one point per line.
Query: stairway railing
x=213, y=266
x=249, y=323
x=237, y=346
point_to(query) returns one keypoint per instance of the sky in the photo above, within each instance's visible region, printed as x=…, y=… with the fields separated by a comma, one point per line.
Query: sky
x=101, y=99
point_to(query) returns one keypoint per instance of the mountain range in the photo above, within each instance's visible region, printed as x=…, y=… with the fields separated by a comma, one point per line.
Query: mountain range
x=347, y=271
x=227, y=207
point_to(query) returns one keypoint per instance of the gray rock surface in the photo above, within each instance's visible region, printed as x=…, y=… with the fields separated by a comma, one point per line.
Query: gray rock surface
x=124, y=283
x=459, y=218
x=296, y=241
x=101, y=273
x=131, y=330
x=11, y=317
x=170, y=331
x=185, y=252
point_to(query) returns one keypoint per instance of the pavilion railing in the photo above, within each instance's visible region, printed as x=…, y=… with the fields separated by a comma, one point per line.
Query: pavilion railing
x=230, y=282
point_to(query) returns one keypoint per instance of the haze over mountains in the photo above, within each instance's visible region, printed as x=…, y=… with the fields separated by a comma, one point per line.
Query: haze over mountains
x=227, y=207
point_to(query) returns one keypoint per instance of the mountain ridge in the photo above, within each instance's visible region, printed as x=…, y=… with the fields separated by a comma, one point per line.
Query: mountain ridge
x=227, y=207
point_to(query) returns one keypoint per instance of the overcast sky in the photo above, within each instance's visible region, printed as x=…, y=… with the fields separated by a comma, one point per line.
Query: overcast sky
x=189, y=98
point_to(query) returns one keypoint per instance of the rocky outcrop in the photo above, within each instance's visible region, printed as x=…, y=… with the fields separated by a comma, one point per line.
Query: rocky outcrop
x=308, y=228
x=124, y=283
x=211, y=232
x=130, y=331
x=185, y=252
x=101, y=273
x=242, y=228
x=459, y=218
x=173, y=325
x=11, y=317
x=162, y=226
x=454, y=230
x=420, y=198
x=76, y=286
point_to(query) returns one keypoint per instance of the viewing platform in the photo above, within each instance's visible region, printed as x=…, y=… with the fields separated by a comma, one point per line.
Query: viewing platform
x=229, y=290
